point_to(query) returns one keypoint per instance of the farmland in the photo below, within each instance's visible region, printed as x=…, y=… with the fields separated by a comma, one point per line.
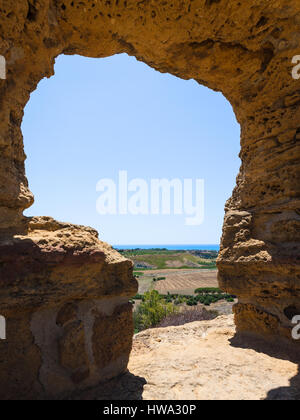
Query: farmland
x=158, y=259
x=177, y=275
x=180, y=281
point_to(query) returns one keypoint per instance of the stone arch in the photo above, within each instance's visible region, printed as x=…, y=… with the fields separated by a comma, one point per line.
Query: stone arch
x=243, y=50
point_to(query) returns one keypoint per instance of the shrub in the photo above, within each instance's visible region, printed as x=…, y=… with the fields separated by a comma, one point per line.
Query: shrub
x=192, y=301
x=152, y=310
x=205, y=290
x=138, y=297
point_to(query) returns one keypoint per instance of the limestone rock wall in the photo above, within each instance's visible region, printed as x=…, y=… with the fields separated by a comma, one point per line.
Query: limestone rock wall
x=243, y=49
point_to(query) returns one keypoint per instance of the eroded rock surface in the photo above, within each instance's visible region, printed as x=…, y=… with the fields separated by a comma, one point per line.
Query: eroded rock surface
x=243, y=49
x=207, y=361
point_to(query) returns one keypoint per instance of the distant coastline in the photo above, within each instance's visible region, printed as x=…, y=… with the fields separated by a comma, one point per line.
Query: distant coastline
x=204, y=247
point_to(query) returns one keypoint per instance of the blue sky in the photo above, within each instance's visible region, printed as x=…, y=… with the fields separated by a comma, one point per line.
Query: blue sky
x=96, y=117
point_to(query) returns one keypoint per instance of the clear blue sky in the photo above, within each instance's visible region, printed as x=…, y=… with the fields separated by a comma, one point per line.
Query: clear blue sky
x=96, y=117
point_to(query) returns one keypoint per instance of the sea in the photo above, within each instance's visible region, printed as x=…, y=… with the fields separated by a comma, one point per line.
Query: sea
x=202, y=247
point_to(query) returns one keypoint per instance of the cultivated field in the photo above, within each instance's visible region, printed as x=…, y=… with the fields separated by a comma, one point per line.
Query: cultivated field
x=178, y=281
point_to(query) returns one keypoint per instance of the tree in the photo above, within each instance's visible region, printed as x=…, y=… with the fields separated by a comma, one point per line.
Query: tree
x=152, y=311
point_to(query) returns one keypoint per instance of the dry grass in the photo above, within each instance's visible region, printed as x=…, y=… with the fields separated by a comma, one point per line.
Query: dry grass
x=188, y=315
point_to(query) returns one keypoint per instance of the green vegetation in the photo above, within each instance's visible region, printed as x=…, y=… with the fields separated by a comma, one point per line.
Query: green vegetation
x=145, y=259
x=205, y=296
x=152, y=311
x=159, y=278
x=208, y=255
x=154, y=307
x=205, y=290
x=151, y=307
x=138, y=273
x=137, y=297
x=133, y=252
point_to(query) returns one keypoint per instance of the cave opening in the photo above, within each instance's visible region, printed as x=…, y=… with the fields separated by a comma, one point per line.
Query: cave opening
x=96, y=118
